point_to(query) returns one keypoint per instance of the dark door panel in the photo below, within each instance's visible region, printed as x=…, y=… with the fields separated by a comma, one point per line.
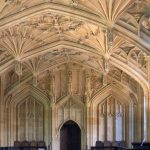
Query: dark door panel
x=70, y=136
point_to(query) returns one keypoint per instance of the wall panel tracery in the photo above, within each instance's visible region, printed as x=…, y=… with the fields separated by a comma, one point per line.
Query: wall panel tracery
x=110, y=120
x=30, y=124
x=69, y=110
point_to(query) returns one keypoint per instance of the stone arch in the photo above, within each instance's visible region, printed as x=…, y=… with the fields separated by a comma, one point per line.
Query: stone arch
x=65, y=121
x=11, y=104
x=70, y=105
x=93, y=109
x=30, y=120
x=26, y=89
x=133, y=98
x=64, y=111
x=110, y=115
x=76, y=131
x=104, y=93
x=119, y=115
x=137, y=77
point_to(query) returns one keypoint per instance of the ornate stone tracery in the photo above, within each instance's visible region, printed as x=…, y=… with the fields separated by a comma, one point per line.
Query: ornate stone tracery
x=111, y=111
x=30, y=116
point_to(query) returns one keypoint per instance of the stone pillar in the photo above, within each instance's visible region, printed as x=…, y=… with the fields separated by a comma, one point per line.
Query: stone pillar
x=145, y=117
x=87, y=109
x=88, y=134
x=47, y=125
x=123, y=123
x=55, y=136
x=114, y=119
x=50, y=127
x=148, y=117
x=2, y=114
x=137, y=123
x=140, y=114
x=129, y=124
x=93, y=122
x=148, y=101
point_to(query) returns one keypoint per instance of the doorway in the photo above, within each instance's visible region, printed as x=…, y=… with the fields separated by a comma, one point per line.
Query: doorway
x=70, y=136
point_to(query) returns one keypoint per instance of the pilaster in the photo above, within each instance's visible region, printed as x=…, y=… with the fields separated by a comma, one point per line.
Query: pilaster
x=147, y=95
x=2, y=114
x=55, y=140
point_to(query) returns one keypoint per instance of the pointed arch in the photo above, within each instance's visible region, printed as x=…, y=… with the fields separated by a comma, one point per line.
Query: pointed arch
x=27, y=90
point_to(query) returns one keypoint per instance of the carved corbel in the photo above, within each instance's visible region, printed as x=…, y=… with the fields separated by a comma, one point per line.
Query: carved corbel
x=35, y=80
x=110, y=36
x=18, y=68
x=74, y=3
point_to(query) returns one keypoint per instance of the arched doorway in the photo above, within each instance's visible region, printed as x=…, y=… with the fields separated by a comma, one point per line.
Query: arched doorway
x=70, y=136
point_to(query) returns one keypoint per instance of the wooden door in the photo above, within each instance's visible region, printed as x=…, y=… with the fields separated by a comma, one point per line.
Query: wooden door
x=70, y=136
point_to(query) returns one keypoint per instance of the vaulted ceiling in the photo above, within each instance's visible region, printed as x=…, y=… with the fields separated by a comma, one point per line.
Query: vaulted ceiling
x=110, y=38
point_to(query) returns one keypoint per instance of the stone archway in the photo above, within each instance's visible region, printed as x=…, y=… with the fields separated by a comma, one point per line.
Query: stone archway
x=70, y=136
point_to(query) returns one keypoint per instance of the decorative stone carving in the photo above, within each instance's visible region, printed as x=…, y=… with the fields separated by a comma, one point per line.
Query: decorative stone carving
x=64, y=52
x=124, y=79
x=69, y=82
x=53, y=23
x=96, y=83
x=144, y=29
x=128, y=53
x=11, y=79
x=106, y=9
x=146, y=23
x=18, y=40
x=136, y=9
x=70, y=110
x=34, y=66
x=44, y=81
x=75, y=3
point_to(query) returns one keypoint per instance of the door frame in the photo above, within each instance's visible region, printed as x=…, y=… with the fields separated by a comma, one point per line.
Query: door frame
x=83, y=136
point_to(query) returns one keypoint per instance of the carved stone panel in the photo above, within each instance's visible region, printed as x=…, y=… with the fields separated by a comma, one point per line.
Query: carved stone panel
x=30, y=120
x=110, y=120
x=69, y=110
